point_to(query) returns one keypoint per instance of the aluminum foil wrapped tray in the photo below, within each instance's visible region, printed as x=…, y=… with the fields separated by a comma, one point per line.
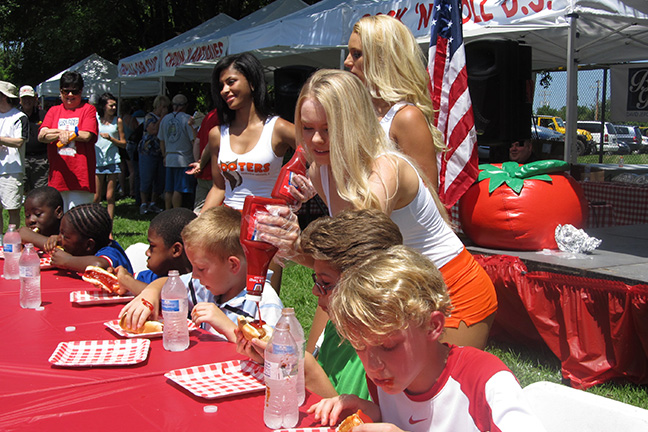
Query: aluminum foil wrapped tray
x=571, y=239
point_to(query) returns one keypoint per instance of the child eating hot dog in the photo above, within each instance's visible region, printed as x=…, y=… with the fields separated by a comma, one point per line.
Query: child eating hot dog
x=392, y=309
x=166, y=251
x=43, y=213
x=216, y=288
x=84, y=240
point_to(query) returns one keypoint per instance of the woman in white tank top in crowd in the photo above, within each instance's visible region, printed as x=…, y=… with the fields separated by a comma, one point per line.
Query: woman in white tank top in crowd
x=354, y=165
x=384, y=54
x=248, y=147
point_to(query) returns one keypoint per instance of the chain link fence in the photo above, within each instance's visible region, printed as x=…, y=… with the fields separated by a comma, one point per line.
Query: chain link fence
x=549, y=107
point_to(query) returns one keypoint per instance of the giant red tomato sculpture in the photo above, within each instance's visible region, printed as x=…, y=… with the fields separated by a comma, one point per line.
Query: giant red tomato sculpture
x=517, y=207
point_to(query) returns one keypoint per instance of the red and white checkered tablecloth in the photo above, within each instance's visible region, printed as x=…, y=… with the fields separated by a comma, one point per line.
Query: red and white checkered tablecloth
x=629, y=202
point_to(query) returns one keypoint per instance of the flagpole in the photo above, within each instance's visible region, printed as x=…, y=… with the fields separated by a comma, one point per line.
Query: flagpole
x=572, y=93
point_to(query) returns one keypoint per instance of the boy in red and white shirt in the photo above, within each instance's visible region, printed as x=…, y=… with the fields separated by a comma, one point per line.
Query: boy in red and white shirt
x=392, y=309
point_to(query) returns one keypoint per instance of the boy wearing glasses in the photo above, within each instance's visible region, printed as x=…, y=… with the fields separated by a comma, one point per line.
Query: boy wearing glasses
x=335, y=244
x=71, y=129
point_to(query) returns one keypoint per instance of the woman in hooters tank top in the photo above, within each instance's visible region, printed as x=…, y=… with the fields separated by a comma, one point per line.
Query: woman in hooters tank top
x=248, y=146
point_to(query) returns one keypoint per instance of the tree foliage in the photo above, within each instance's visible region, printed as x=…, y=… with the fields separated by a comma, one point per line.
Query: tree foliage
x=40, y=38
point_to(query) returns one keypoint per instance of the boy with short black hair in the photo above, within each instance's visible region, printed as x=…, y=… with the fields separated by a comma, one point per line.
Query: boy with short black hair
x=392, y=309
x=216, y=288
x=43, y=214
x=166, y=251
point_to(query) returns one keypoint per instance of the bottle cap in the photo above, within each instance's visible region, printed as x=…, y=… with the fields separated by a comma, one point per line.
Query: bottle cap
x=210, y=409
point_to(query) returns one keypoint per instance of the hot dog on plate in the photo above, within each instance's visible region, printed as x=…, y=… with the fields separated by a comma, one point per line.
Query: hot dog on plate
x=101, y=278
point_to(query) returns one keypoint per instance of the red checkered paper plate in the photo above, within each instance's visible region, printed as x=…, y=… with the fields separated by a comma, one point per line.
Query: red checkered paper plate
x=97, y=297
x=217, y=380
x=45, y=261
x=317, y=429
x=114, y=326
x=101, y=352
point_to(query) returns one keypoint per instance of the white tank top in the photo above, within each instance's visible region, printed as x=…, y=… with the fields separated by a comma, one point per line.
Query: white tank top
x=252, y=173
x=420, y=223
x=388, y=118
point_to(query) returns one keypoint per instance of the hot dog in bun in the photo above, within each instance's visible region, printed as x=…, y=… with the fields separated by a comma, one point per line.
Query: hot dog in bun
x=101, y=278
x=148, y=327
x=353, y=420
x=254, y=329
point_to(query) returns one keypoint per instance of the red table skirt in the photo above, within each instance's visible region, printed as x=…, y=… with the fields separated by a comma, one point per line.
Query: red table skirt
x=597, y=328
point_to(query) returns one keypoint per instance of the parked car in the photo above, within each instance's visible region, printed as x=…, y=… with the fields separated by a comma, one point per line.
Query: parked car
x=584, y=144
x=610, y=142
x=643, y=138
x=628, y=135
x=545, y=133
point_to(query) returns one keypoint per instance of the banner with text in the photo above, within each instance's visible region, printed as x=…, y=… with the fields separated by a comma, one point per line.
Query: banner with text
x=210, y=51
x=629, y=92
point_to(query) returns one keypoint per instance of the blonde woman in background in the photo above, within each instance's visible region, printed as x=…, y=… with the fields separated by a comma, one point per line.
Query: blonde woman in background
x=384, y=54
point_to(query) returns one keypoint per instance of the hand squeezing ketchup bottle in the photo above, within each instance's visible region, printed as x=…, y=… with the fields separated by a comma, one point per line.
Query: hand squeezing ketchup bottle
x=257, y=253
x=296, y=165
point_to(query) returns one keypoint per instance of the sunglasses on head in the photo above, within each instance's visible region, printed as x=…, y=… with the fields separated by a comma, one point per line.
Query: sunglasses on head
x=73, y=91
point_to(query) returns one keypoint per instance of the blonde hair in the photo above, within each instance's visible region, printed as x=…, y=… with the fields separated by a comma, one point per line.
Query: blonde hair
x=216, y=232
x=356, y=139
x=160, y=101
x=394, y=66
x=355, y=136
x=392, y=290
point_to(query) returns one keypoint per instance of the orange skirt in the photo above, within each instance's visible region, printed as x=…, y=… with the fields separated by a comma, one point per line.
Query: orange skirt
x=471, y=291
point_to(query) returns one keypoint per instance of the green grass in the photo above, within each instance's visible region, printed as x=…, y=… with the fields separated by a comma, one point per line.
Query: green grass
x=528, y=364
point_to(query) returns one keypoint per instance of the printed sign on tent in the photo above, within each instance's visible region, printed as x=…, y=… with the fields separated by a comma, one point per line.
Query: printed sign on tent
x=629, y=92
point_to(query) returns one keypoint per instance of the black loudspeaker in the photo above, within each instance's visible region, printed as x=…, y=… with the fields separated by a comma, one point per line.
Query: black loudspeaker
x=501, y=89
x=288, y=82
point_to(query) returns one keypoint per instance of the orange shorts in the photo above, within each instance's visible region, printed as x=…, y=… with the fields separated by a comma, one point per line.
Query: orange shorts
x=471, y=291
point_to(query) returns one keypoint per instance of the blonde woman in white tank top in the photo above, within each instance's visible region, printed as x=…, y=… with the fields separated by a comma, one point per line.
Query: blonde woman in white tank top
x=384, y=54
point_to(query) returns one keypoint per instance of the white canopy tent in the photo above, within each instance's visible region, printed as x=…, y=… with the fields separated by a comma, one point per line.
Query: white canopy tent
x=562, y=33
x=100, y=76
x=194, y=61
x=148, y=63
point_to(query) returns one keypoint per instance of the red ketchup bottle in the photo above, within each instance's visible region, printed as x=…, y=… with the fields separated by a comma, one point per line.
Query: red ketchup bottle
x=257, y=253
x=296, y=165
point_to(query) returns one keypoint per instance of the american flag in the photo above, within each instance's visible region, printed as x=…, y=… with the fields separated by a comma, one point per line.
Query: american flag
x=449, y=91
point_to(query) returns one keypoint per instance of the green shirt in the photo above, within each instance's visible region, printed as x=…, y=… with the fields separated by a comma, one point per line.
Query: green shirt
x=342, y=364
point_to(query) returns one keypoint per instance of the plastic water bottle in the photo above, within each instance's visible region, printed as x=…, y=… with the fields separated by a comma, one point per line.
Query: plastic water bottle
x=175, y=335
x=280, y=369
x=297, y=332
x=30, y=280
x=11, y=246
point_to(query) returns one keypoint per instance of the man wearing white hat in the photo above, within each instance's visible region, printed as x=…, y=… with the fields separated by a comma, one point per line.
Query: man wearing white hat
x=36, y=163
x=14, y=131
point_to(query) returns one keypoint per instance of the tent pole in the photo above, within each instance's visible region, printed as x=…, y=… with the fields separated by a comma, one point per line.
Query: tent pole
x=342, y=58
x=572, y=91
